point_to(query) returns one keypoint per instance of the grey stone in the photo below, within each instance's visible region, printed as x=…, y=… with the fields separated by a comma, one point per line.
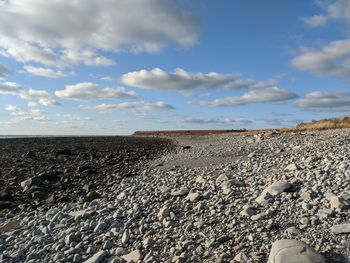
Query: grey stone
x=133, y=256
x=293, y=251
x=273, y=190
x=181, y=192
x=341, y=228
x=98, y=257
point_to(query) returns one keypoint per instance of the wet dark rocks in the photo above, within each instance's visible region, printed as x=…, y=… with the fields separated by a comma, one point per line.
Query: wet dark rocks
x=5, y=204
x=45, y=171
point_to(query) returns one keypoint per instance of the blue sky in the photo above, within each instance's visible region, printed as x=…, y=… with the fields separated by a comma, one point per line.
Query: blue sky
x=113, y=67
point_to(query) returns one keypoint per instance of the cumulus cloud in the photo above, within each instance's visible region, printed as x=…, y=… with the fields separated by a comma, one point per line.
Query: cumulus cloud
x=44, y=102
x=315, y=21
x=138, y=106
x=325, y=101
x=3, y=71
x=93, y=91
x=219, y=121
x=337, y=10
x=41, y=97
x=273, y=94
x=44, y=72
x=331, y=60
x=18, y=114
x=64, y=33
x=182, y=80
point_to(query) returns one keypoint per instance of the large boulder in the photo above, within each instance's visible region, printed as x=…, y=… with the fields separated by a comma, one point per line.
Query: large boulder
x=293, y=251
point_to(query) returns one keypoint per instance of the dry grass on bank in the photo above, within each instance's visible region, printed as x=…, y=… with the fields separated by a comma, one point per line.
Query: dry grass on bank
x=337, y=123
x=324, y=124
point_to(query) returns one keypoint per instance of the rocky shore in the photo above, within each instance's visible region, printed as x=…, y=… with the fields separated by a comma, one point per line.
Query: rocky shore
x=218, y=198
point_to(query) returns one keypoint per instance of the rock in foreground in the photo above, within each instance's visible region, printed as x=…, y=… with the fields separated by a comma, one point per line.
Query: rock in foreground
x=293, y=251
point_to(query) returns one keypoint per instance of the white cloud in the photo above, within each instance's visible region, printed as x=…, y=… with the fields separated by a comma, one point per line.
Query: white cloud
x=315, y=21
x=18, y=114
x=331, y=60
x=337, y=10
x=86, y=57
x=3, y=71
x=44, y=72
x=182, y=80
x=273, y=94
x=77, y=118
x=219, y=121
x=325, y=101
x=41, y=97
x=11, y=88
x=139, y=106
x=64, y=33
x=93, y=91
x=44, y=102
x=107, y=78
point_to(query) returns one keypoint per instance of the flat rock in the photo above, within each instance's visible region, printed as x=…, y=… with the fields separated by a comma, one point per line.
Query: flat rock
x=164, y=212
x=292, y=167
x=293, y=230
x=336, y=202
x=241, y=257
x=133, y=256
x=341, y=228
x=293, y=251
x=221, y=178
x=8, y=226
x=181, y=192
x=98, y=257
x=273, y=190
x=192, y=197
x=78, y=214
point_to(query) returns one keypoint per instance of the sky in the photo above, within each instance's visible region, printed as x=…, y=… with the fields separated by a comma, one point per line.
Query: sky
x=107, y=67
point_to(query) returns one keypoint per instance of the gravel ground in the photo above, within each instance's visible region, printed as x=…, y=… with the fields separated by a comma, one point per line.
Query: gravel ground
x=220, y=198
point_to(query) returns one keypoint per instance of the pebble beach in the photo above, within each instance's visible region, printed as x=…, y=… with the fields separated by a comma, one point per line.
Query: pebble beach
x=210, y=198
